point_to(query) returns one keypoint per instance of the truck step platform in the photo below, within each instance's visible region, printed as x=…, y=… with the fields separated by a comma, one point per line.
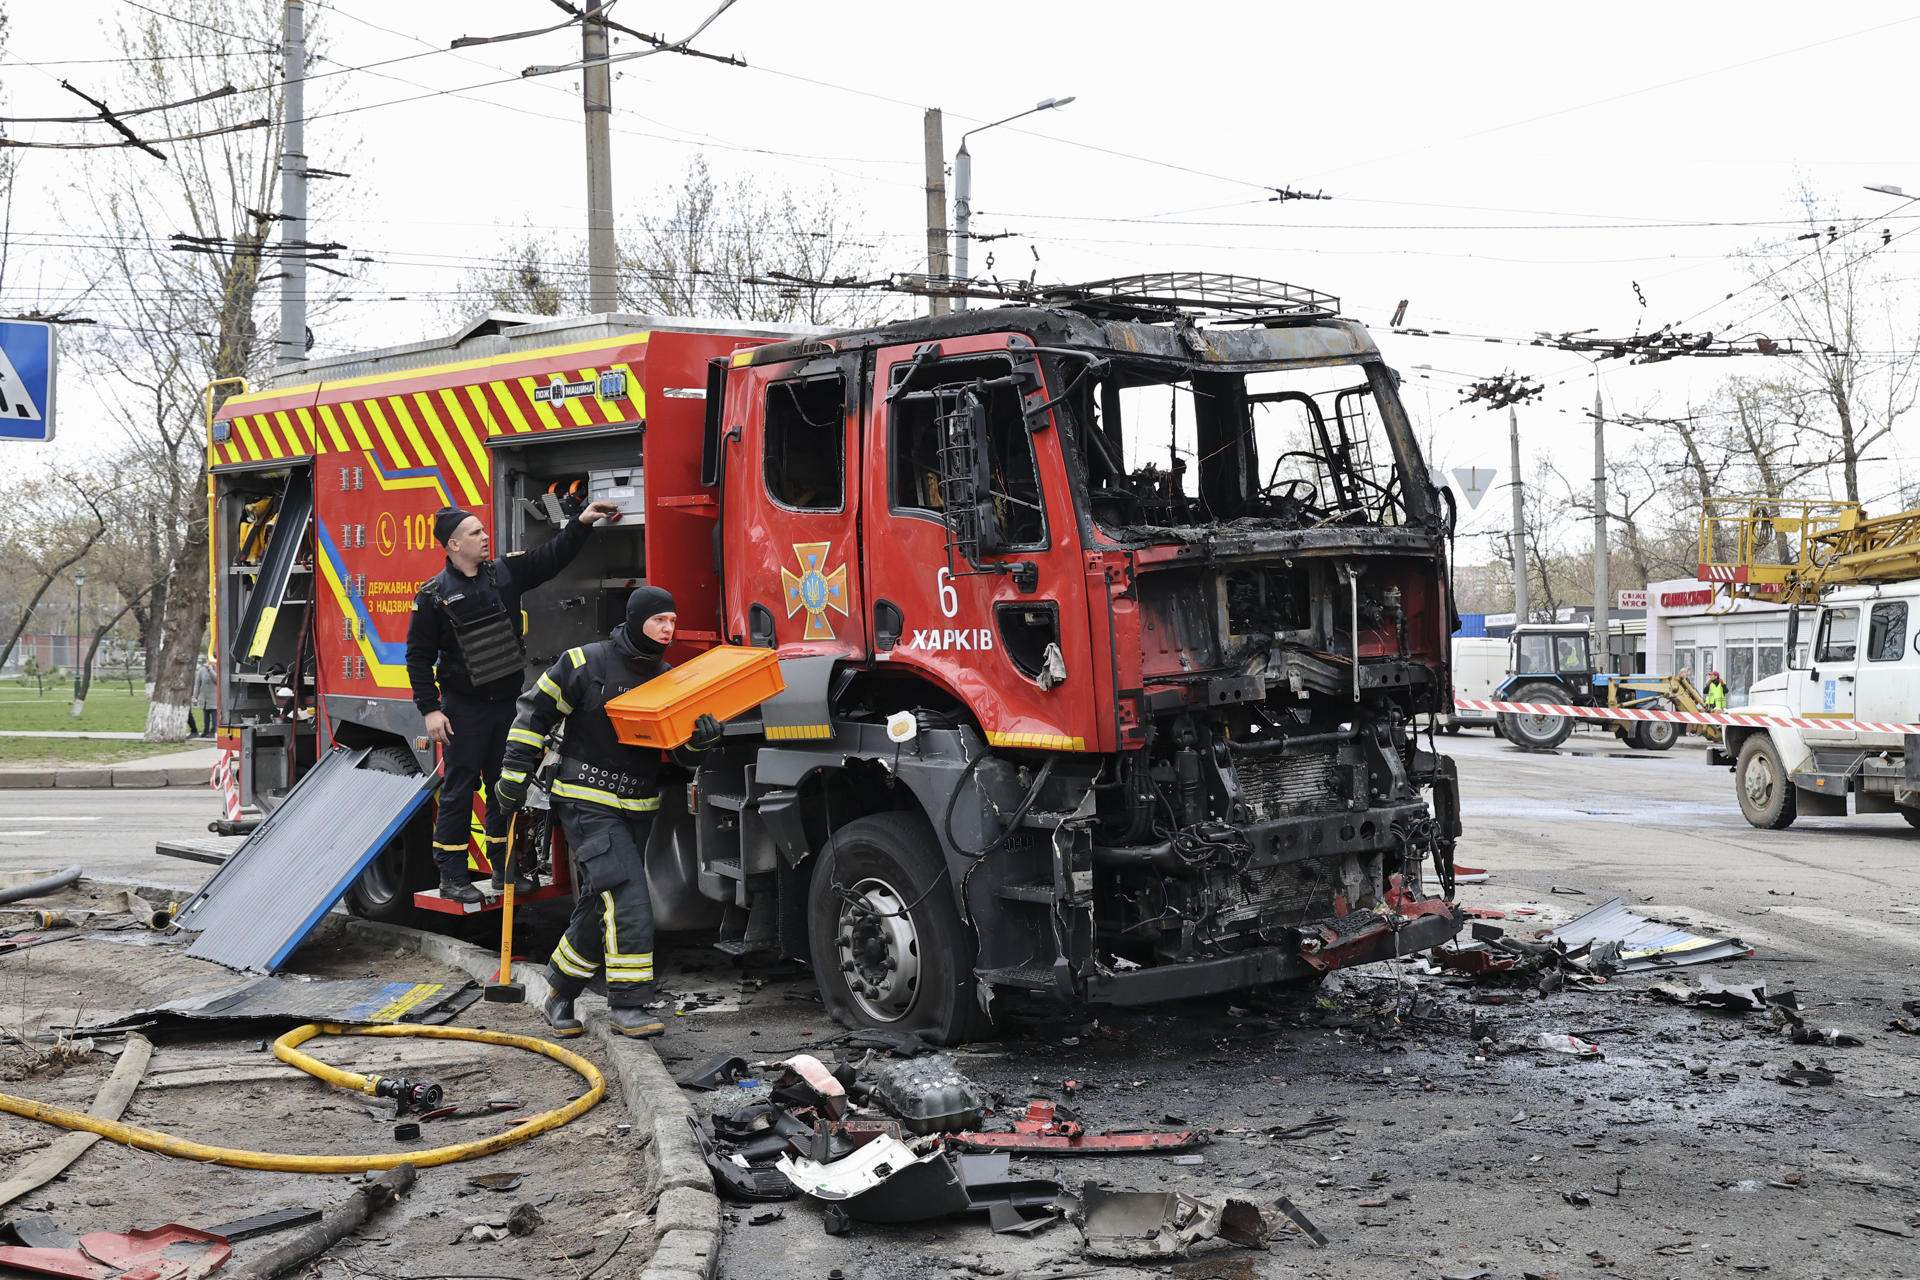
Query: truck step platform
x=491, y=900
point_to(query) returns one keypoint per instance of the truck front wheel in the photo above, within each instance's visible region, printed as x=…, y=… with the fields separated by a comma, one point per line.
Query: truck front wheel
x=384, y=888
x=1536, y=732
x=885, y=935
x=1761, y=782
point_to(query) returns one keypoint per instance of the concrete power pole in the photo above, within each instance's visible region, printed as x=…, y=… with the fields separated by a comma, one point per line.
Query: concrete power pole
x=936, y=158
x=1602, y=589
x=596, y=102
x=292, y=347
x=1519, y=547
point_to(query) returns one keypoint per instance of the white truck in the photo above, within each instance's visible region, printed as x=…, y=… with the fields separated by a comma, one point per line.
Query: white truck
x=1862, y=664
x=1480, y=664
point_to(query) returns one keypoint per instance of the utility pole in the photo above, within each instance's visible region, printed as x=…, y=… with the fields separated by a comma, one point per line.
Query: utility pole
x=1519, y=547
x=1602, y=599
x=293, y=187
x=596, y=102
x=962, y=215
x=936, y=159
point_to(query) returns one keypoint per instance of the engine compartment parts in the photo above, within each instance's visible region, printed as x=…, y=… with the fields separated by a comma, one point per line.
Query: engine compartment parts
x=928, y=1094
x=1163, y=1224
x=1047, y=1128
x=287, y=1049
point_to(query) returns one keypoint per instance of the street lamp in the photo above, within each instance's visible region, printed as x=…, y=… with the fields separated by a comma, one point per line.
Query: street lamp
x=963, y=188
x=79, y=693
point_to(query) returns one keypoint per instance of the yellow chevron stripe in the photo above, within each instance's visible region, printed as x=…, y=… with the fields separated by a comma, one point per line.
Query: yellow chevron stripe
x=389, y=436
x=423, y=454
x=351, y=415
x=309, y=426
x=291, y=436
x=269, y=440
x=457, y=414
x=482, y=409
x=449, y=453
x=542, y=410
x=483, y=362
x=635, y=392
x=332, y=425
x=510, y=407
x=246, y=439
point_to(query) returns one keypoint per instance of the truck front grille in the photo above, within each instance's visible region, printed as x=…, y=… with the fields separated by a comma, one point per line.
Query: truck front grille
x=1277, y=786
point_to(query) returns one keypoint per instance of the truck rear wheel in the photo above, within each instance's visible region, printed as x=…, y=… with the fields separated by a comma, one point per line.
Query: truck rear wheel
x=1536, y=732
x=1912, y=816
x=384, y=888
x=885, y=936
x=1656, y=735
x=1762, y=785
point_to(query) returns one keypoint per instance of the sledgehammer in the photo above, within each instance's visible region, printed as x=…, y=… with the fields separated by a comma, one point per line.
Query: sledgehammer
x=503, y=989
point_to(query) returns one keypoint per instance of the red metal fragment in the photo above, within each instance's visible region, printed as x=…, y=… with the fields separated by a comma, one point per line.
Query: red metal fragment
x=1043, y=1128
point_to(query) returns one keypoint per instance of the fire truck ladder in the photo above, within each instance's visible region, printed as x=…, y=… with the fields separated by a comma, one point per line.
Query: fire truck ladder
x=1790, y=550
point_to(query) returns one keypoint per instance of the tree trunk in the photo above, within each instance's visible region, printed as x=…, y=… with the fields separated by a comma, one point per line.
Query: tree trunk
x=183, y=622
x=83, y=678
x=26, y=615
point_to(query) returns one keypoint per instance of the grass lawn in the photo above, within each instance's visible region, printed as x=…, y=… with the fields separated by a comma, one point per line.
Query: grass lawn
x=81, y=751
x=110, y=708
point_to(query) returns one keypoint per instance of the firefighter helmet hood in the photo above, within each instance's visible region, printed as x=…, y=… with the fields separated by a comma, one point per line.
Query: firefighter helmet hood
x=644, y=603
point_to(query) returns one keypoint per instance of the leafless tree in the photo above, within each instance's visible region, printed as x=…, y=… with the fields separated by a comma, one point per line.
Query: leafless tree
x=1861, y=335
x=173, y=321
x=48, y=525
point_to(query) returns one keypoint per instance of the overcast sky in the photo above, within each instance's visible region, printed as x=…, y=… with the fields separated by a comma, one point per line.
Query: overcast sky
x=1505, y=168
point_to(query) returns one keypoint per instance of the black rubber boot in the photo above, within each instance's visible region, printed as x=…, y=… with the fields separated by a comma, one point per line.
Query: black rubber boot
x=526, y=882
x=455, y=887
x=637, y=1023
x=558, y=1011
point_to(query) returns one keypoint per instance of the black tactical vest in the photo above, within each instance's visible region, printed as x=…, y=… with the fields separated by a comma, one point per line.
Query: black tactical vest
x=488, y=639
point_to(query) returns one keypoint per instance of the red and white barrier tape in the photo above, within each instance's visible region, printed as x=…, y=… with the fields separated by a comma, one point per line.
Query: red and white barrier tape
x=1732, y=719
x=225, y=778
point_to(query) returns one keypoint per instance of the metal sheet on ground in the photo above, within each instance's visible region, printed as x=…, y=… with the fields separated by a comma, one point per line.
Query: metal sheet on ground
x=269, y=895
x=355, y=1000
x=1644, y=944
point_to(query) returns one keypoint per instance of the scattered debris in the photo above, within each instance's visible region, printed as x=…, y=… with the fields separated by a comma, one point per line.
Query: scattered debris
x=497, y=1181
x=928, y=1094
x=103, y=1255
x=717, y=1074
x=361, y=1001
x=1162, y=1224
x=1300, y=1220
x=1802, y=1076
x=1643, y=943
x=1885, y=1228
x=109, y=1104
x=335, y=1225
x=1572, y=1046
x=806, y=1077
x=1046, y=1127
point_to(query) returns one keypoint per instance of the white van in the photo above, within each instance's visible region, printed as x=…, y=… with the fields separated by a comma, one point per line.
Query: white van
x=1479, y=665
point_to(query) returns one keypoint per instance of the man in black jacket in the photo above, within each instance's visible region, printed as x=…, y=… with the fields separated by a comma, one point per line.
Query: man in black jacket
x=605, y=794
x=466, y=660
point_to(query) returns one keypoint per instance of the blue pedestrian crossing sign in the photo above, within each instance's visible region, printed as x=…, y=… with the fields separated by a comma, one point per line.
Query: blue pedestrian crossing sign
x=26, y=380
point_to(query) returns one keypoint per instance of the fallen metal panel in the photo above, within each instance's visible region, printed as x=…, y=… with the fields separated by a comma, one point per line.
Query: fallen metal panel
x=1644, y=944
x=259, y=906
x=353, y=1000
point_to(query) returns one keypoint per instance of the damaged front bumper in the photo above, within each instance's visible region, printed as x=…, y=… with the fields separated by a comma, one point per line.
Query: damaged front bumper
x=1405, y=926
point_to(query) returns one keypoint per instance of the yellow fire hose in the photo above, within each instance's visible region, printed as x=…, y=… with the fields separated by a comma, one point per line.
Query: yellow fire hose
x=287, y=1049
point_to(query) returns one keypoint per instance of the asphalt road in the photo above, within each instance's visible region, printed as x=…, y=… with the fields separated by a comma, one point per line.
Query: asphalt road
x=1442, y=1161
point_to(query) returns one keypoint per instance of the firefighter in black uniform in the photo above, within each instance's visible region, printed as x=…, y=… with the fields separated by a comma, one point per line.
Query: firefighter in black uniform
x=605, y=794
x=466, y=660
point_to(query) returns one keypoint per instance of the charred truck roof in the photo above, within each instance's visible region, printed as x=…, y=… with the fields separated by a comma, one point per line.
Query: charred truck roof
x=1157, y=567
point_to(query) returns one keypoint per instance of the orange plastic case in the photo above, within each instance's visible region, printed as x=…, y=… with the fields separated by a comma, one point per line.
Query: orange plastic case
x=721, y=683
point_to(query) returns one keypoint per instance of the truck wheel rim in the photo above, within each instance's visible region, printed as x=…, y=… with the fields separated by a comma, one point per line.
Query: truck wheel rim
x=1533, y=726
x=1759, y=781
x=879, y=950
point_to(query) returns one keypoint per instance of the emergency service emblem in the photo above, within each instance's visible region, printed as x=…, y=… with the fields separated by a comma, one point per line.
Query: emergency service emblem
x=815, y=589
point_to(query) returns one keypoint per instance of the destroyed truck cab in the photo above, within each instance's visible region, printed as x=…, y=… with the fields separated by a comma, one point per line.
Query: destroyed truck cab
x=1107, y=621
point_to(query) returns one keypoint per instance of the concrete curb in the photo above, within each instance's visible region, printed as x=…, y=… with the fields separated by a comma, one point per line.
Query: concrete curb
x=687, y=1217
x=131, y=776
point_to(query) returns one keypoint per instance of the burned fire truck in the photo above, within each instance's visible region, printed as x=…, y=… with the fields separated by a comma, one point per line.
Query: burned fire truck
x=1107, y=621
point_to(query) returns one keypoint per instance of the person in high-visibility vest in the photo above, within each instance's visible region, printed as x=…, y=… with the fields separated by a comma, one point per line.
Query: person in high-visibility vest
x=1716, y=692
x=606, y=794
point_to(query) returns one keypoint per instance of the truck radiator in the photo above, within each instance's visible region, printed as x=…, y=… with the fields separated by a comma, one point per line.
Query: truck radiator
x=1280, y=785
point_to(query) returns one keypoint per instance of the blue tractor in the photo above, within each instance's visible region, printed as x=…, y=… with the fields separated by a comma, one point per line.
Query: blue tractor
x=1553, y=662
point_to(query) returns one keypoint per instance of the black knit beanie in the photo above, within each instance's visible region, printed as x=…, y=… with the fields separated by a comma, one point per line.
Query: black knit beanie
x=446, y=521
x=641, y=605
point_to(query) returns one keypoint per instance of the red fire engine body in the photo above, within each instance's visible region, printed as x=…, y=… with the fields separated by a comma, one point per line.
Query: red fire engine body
x=1106, y=624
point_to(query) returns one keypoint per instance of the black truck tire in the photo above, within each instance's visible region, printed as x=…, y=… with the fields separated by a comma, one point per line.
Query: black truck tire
x=904, y=962
x=1536, y=733
x=1762, y=786
x=1656, y=735
x=1912, y=816
x=384, y=889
